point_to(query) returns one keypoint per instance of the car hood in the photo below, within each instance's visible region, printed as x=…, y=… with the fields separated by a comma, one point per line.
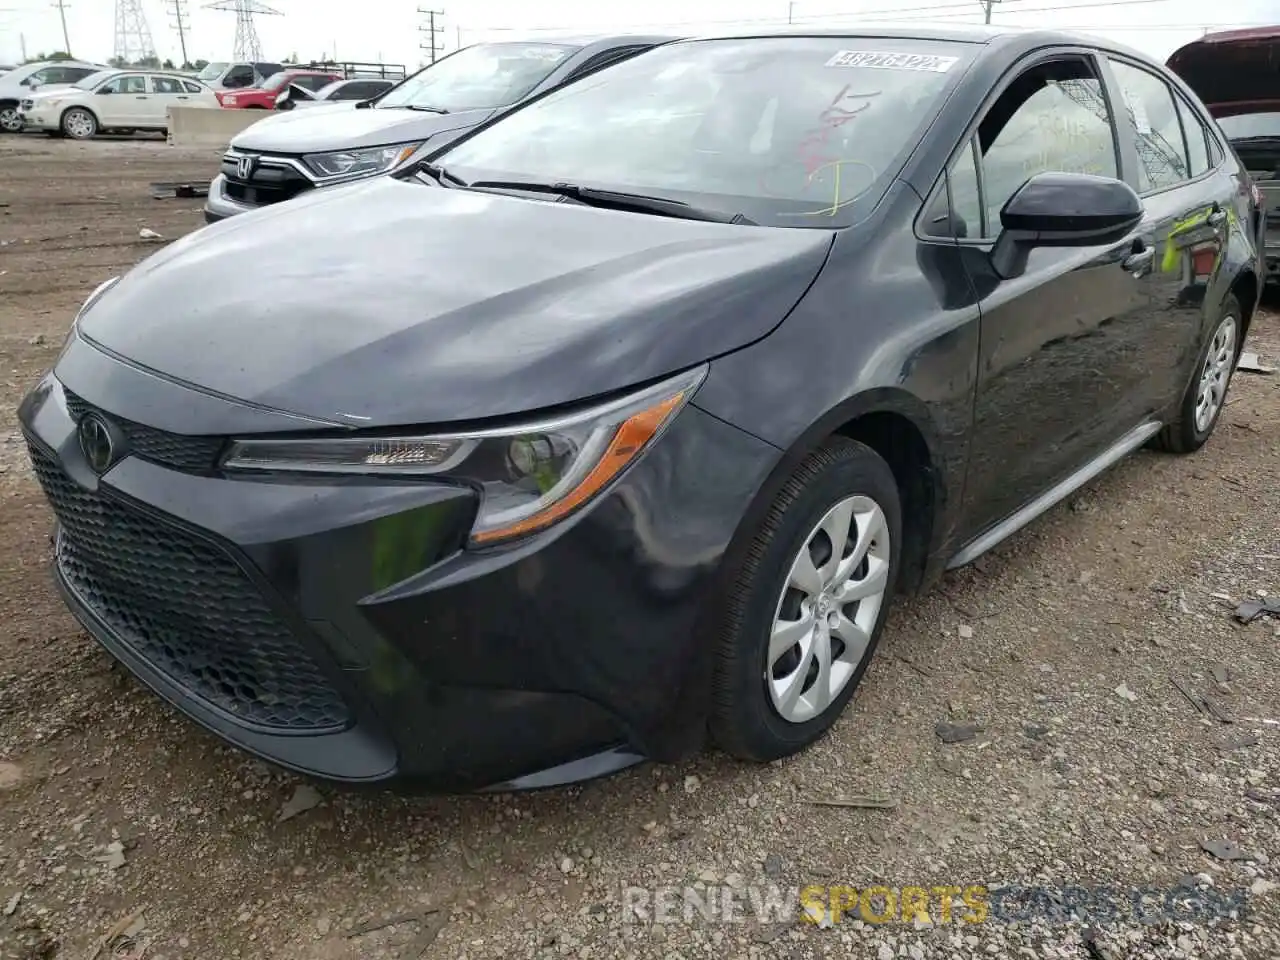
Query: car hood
x=340, y=129
x=1233, y=72
x=397, y=303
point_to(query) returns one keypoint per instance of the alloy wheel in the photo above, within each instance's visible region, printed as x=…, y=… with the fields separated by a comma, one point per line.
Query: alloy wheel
x=828, y=609
x=79, y=124
x=1216, y=375
x=10, y=122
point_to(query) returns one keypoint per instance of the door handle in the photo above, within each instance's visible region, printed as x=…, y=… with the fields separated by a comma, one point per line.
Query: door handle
x=1217, y=216
x=1138, y=262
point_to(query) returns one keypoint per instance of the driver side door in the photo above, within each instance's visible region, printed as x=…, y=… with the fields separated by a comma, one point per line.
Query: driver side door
x=1060, y=366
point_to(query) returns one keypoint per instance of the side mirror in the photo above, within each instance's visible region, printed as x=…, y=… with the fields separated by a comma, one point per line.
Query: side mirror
x=1063, y=210
x=104, y=91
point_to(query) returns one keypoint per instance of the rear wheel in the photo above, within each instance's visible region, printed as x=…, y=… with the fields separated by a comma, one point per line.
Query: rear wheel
x=10, y=122
x=805, y=614
x=1202, y=404
x=79, y=124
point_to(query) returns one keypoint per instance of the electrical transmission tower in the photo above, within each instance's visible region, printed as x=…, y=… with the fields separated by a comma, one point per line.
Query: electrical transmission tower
x=431, y=28
x=248, y=46
x=133, y=36
x=181, y=23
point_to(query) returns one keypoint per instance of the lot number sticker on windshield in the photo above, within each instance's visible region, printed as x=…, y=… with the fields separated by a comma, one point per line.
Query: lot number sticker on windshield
x=880, y=60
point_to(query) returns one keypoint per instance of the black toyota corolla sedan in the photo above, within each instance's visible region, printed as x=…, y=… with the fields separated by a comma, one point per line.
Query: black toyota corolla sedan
x=614, y=428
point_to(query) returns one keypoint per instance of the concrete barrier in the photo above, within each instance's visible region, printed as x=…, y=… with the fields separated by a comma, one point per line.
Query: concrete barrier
x=209, y=126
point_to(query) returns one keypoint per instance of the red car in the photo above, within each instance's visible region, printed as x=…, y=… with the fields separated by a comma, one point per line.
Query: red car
x=264, y=97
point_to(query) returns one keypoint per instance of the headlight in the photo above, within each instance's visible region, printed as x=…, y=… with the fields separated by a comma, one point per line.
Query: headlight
x=360, y=163
x=530, y=475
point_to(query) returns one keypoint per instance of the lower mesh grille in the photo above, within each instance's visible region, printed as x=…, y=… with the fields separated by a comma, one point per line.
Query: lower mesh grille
x=187, y=608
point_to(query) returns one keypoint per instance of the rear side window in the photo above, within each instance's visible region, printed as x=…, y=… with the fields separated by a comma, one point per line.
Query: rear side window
x=1197, y=135
x=1149, y=103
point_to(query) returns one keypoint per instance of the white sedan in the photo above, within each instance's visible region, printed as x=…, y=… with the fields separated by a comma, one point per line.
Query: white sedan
x=113, y=100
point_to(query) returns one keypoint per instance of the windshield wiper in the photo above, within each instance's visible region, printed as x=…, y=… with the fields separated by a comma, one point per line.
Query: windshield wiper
x=439, y=174
x=617, y=200
x=424, y=109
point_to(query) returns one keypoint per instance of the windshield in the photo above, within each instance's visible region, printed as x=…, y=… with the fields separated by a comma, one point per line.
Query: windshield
x=482, y=77
x=789, y=131
x=93, y=79
x=212, y=72
x=275, y=81
x=1250, y=125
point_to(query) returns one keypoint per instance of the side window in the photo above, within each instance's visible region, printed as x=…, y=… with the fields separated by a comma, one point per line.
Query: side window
x=1054, y=118
x=955, y=210
x=192, y=87
x=76, y=74
x=1197, y=139
x=1162, y=157
x=46, y=75
x=313, y=83
x=126, y=84
x=239, y=76
x=166, y=85
x=359, y=91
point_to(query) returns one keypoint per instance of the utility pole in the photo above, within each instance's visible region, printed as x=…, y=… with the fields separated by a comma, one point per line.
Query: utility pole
x=66, y=37
x=432, y=29
x=181, y=24
x=986, y=8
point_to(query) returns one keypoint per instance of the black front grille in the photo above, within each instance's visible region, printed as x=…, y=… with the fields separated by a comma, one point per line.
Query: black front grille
x=190, y=454
x=187, y=608
x=267, y=184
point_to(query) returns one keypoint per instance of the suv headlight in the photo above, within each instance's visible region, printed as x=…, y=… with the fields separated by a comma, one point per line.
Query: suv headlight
x=530, y=475
x=360, y=163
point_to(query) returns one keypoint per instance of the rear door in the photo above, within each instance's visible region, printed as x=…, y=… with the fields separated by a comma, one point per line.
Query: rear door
x=1060, y=344
x=1190, y=206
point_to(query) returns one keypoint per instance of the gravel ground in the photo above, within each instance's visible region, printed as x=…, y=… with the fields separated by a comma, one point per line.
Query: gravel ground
x=126, y=831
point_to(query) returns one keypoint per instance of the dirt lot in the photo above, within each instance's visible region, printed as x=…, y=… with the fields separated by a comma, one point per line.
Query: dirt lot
x=122, y=822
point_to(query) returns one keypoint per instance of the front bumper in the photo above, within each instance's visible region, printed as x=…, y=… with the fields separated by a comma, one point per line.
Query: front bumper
x=337, y=628
x=219, y=205
x=38, y=119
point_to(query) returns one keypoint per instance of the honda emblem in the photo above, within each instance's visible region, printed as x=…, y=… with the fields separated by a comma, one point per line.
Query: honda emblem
x=244, y=167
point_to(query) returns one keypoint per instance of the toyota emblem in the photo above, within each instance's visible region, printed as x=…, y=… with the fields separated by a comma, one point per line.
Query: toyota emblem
x=96, y=443
x=244, y=167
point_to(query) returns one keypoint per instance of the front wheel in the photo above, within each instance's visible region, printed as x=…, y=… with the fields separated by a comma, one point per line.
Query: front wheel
x=10, y=122
x=804, y=616
x=1202, y=404
x=79, y=124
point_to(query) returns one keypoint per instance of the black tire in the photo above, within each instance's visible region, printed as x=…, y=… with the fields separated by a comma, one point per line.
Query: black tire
x=744, y=721
x=1182, y=435
x=70, y=124
x=9, y=121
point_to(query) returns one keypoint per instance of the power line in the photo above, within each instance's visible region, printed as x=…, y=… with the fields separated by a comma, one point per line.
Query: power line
x=932, y=11
x=431, y=29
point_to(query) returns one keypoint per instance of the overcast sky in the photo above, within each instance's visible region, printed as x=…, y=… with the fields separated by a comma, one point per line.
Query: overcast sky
x=389, y=29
